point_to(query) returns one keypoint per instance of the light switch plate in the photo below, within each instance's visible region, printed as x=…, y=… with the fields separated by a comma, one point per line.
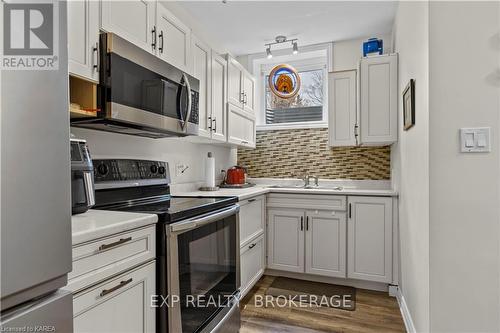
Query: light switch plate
x=475, y=140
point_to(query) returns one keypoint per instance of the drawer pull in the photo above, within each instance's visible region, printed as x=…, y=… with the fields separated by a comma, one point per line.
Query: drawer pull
x=104, y=292
x=251, y=200
x=110, y=245
x=252, y=246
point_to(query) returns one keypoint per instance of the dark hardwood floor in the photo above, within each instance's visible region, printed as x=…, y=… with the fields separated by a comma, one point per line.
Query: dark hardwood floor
x=375, y=312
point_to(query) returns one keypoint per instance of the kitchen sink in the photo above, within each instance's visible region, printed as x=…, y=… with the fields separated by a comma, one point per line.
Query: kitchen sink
x=308, y=187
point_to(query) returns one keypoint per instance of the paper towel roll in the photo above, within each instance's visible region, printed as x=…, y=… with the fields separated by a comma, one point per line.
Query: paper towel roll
x=210, y=171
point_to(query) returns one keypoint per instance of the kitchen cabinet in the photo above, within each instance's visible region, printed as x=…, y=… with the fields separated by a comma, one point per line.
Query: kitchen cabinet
x=362, y=104
x=378, y=100
x=240, y=127
x=342, y=98
x=120, y=304
x=253, y=263
x=219, y=100
x=133, y=20
x=241, y=86
x=285, y=239
x=174, y=40
x=325, y=245
x=370, y=238
x=252, y=218
x=83, y=39
x=202, y=70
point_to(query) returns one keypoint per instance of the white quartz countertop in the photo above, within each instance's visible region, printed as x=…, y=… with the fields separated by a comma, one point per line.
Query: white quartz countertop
x=259, y=189
x=94, y=224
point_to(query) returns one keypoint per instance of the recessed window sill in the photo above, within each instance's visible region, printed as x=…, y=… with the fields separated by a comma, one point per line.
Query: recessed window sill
x=291, y=126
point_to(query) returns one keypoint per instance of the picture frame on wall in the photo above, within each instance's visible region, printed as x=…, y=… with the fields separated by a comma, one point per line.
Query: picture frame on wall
x=409, y=105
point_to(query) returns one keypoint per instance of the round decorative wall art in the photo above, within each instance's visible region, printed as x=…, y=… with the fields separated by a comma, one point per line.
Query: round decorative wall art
x=284, y=81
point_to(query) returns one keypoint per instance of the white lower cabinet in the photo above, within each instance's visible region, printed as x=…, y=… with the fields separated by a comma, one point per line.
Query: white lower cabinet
x=253, y=263
x=325, y=243
x=120, y=304
x=370, y=239
x=285, y=228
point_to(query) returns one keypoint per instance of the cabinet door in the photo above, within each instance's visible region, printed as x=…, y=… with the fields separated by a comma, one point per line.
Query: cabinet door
x=202, y=66
x=83, y=39
x=326, y=243
x=240, y=127
x=120, y=304
x=253, y=258
x=234, y=82
x=248, y=93
x=174, y=40
x=379, y=100
x=133, y=20
x=342, y=108
x=370, y=239
x=219, y=100
x=286, y=240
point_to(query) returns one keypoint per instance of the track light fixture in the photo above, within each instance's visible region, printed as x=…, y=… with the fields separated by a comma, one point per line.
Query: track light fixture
x=280, y=40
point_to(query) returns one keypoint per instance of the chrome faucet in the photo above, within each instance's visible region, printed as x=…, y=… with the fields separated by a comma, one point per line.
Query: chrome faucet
x=315, y=180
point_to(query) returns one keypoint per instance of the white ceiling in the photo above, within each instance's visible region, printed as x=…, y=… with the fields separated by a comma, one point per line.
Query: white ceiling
x=243, y=27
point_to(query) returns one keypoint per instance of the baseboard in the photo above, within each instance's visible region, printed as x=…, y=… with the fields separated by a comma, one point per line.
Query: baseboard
x=405, y=312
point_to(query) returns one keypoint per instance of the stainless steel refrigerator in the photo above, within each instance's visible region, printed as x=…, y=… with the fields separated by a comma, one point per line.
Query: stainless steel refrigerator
x=35, y=223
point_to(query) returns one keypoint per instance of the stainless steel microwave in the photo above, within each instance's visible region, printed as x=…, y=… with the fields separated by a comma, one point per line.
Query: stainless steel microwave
x=140, y=94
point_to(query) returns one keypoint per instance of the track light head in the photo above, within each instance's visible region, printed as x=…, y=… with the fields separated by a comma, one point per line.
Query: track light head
x=268, y=52
x=295, y=47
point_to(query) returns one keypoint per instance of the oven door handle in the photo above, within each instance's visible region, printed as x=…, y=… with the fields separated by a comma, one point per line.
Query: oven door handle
x=194, y=223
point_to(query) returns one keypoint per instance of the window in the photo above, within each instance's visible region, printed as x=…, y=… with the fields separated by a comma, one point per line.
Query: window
x=306, y=106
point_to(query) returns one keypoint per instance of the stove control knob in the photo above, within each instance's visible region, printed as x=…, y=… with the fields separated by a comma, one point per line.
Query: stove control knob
x=161, y=170
x=103, y=169
x=154, y=168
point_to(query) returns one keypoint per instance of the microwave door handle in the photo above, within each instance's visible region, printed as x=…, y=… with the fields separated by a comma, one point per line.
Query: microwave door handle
x=188, y=111
x=89, y=193
x=191, y=224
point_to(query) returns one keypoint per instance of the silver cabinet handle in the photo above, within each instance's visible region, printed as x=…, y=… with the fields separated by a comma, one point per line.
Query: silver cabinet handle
x=215, y=124
x=245, y=100
x=95, y=52
x=122, y=284
x=244, y=142
x=252, y=246
x=210, y=123
x=251, y=200
x=153, y=35
x=160, y=36
x=301, y=223
x=118, y=242
x=242, y=97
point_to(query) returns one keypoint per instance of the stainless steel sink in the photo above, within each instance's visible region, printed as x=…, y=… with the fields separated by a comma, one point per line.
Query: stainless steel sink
x=308, y=187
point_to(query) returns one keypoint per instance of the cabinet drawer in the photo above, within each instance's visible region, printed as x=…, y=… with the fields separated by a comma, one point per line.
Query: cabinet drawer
x=252, y=262
x=97, y=260
x=307, y=201
x=120, y=304
x=251, y=218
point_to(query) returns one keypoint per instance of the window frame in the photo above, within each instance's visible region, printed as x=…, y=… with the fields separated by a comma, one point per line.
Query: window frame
x=306, y=64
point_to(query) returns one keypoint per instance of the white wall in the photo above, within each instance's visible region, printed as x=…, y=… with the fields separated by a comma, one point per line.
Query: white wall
x=464, y=188
x=171, y=150
x=346, y=53
x=410, y=160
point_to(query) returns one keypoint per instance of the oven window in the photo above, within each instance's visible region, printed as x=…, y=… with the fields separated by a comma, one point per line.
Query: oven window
x=207, y=271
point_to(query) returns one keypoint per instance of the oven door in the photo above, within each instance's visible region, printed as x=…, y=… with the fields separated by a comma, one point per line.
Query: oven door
x=203, y=272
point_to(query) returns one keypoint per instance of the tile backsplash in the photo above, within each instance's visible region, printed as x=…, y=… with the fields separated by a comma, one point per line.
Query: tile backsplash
x=291, y=153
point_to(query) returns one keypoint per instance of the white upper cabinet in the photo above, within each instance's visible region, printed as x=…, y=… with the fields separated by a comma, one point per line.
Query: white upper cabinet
x=248, y=92
x=174, y=40
x=202, y=68
x=325, y=243
x=379, y=100
x=370, y=239
x=241, y=127
x=286, y=239
x=234, y=82
x=342, y=108
x=219, y=101
x=83, y=39
x=133, y=20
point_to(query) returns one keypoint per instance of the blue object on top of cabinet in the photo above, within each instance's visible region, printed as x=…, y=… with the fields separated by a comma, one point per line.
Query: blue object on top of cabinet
x=372, y=45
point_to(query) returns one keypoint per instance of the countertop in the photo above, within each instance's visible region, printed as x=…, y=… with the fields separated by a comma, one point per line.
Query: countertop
x=94, y=224
x=259, y=189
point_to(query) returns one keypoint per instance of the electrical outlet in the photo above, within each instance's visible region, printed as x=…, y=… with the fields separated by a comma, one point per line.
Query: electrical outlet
x=180, y=169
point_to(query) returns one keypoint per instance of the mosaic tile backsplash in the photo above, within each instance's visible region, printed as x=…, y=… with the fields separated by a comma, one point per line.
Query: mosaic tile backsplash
x=292, y=153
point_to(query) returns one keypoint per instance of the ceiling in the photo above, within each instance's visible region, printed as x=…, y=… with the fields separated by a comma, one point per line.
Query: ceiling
x=243, y=27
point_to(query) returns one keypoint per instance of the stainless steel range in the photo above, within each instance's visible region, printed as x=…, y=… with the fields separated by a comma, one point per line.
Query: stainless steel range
x=198, y=269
